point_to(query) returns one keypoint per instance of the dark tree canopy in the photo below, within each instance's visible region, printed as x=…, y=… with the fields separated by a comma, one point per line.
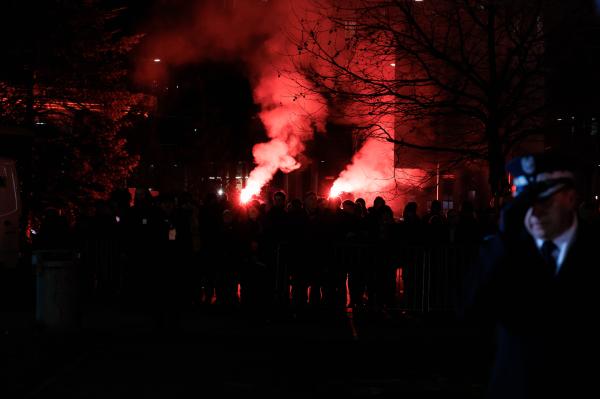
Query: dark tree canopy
x=65, y=76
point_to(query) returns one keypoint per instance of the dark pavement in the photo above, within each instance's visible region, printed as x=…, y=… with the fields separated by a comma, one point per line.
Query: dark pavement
x=222, y=353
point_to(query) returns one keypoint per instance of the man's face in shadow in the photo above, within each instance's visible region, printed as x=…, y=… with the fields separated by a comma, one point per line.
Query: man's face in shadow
x=279, y=200
x=550, y=217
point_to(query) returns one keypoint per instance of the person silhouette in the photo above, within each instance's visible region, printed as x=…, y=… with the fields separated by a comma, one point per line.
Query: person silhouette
x=536, y=281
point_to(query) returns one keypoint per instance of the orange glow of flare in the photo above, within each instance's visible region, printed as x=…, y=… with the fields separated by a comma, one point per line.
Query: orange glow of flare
x=339, y=187
x=370, y=173
x=249, y=191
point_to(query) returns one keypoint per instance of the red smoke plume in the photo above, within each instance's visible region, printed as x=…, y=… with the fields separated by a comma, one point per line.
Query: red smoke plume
x=259, y=33
x=266, y=36
x=290, y=120
x=371, y=172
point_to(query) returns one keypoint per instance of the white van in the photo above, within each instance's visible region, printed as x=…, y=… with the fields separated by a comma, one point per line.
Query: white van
x=10, y=212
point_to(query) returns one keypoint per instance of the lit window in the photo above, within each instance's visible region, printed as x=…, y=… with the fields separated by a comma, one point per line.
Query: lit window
x=350, y=28
x=447, y=204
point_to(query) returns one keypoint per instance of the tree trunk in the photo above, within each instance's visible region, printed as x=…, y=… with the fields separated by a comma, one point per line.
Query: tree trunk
x=492, y=130
x=30, y=98
x=497, y=176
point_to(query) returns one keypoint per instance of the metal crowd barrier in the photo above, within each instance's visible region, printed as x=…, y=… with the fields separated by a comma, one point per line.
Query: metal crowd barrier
x=104, y=266
x=446, y=269
x=428, y=278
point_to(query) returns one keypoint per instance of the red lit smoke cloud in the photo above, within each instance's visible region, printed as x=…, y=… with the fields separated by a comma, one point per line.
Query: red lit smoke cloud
x=371, y=172
x=263, y=35
x=290, y=120
x=258, y=33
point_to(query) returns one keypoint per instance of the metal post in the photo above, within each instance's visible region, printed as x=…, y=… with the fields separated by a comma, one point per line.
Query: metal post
x=437, y=182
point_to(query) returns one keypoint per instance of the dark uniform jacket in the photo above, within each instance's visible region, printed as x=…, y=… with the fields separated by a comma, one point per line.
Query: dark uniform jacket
x=546, y=332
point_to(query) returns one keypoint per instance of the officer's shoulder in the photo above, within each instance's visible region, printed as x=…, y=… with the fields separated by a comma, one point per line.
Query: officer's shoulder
x=489, y=238
x=491, y=243
x=498, y=245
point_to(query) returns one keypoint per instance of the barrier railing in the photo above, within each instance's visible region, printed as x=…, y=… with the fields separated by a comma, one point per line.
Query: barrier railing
x=104, y=266
x=426, y=278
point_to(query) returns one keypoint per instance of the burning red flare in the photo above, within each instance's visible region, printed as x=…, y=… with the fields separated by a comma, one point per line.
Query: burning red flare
x=371, y=172
x=249, y=192
x=339, y=187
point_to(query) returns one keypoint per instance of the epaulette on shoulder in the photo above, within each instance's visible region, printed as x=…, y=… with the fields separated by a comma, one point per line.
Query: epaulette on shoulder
x=489, y=237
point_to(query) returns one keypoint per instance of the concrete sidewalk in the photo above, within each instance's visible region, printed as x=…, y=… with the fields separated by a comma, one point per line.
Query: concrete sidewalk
x=119, y=354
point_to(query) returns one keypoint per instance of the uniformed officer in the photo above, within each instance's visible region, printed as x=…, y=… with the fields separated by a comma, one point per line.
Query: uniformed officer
x=537, y=281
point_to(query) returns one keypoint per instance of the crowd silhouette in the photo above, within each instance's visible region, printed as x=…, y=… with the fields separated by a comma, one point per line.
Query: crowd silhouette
x=171, y=251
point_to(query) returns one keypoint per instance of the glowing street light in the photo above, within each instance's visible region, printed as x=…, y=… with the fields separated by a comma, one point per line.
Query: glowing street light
x=156, y=60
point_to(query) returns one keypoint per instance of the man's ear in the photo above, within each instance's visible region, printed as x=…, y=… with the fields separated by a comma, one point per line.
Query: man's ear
x=572, y=199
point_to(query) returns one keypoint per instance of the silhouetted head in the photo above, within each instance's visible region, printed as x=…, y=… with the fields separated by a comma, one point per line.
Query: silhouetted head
x=436, y=207
x=279, y=199
x=253, y=211
x=387, y=215
x=310, y=201
x=335, y=203
x=378, y=202
x=167, y=202
x=210, y=198
x=142, y=196
x=121, y=197
x=295, y=205
x=467, y=210
x=360, y=207
x=227, y=217
x=410, y=211
x=348, y=206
